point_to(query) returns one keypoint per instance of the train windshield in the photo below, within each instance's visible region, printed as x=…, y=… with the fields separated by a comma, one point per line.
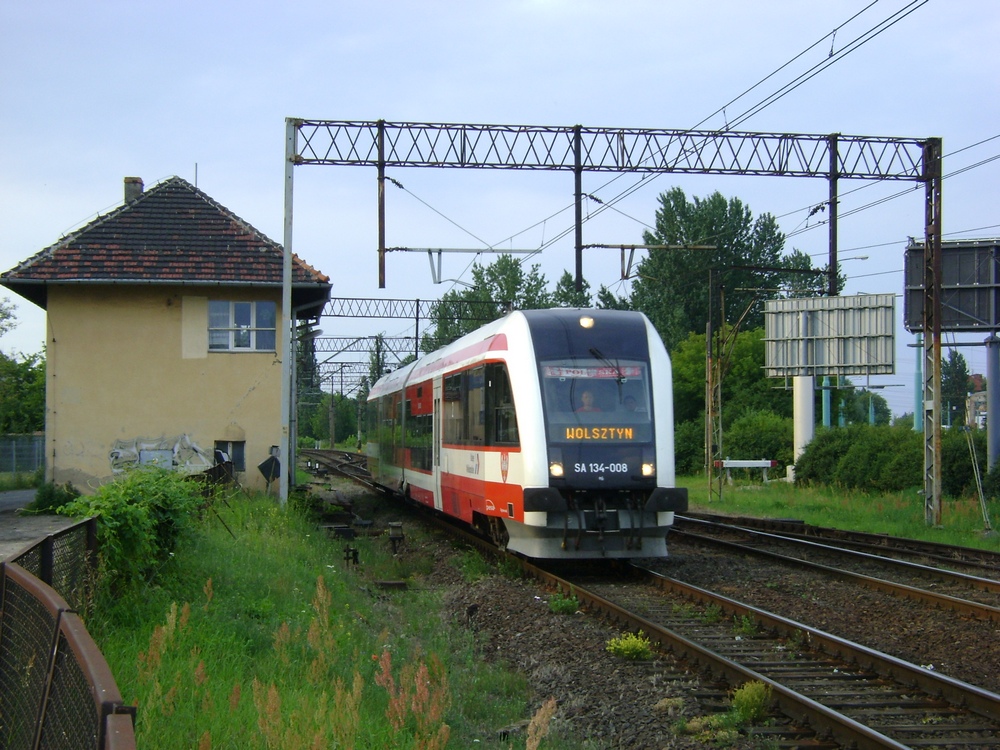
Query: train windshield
x=597, y=400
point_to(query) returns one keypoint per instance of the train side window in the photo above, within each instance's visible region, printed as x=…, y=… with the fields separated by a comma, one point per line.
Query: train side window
x=475, y=406
x=419, y=431
x=501, y=419
x=454, y=412
x=385, y=428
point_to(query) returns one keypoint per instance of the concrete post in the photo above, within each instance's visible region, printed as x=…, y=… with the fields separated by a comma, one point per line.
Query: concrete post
x=992, y=400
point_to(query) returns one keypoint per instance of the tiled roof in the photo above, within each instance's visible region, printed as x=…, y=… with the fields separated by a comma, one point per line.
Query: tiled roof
x=171, y=233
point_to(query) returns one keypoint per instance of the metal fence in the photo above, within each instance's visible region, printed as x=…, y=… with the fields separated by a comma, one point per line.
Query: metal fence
x=65, y=561
x=21, y=454
x=56, y=690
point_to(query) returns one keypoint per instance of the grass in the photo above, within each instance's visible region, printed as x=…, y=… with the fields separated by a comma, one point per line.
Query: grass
x=21, y=480
x=267, y=638
x=749, y=704
x=899, y=514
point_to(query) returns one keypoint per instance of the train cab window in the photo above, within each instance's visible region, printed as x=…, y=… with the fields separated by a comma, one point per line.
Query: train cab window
x=590, y=399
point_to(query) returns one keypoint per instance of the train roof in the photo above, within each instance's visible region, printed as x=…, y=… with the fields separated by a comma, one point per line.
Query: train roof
x=485, y=339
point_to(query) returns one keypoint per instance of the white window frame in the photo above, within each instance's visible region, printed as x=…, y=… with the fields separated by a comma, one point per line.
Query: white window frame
x=242, y=326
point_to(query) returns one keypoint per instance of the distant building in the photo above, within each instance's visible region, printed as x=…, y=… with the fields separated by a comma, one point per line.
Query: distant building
x=975, y=409
x=163, y=335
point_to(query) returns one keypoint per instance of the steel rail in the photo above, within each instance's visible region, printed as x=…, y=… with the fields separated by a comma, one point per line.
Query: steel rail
x=979, y=700
x=946, y=553
x=820, y=718
x=964, y=606
x=987, y=584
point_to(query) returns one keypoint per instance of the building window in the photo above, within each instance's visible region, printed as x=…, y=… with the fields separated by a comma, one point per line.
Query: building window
x=242, y=326
x=231, y=450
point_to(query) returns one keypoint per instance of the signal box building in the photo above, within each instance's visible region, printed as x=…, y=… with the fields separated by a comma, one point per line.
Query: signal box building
x=163, y=337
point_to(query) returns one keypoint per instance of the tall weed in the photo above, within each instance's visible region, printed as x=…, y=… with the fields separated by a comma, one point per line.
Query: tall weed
x=284, y=646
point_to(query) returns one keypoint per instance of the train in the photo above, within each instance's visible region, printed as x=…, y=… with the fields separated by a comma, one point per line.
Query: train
x=549, y=431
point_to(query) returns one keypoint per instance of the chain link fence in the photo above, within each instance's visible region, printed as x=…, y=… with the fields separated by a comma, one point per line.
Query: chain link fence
x=56, y=690
x=21, y=454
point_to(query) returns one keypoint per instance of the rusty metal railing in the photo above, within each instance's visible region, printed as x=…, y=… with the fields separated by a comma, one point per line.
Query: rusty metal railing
x=56, y=690
x=65, y=560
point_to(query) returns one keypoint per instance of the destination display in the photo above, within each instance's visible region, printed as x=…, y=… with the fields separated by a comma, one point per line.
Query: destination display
x=563, y=371
x=600, y=433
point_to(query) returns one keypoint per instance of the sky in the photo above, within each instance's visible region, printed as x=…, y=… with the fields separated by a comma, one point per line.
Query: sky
x=93, y=92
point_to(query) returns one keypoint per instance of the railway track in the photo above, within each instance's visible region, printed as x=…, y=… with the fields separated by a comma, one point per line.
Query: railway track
x=973, y=595
x=843, y=693
x=969, y=559
x=856, y=695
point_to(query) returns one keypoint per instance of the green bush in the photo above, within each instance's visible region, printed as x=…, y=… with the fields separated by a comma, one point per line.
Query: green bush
x=634, y=646
x=140, y=515
x=751, y=701
x=50, y=497
x=563, y=605
x=957, y=478
x=888, y=459
x=818, y=463
x=689, y=447
x=760, y=434
x=881, y=459
x=991, y=483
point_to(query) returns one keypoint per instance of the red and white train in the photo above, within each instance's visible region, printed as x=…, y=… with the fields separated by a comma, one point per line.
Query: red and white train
x=549, y=430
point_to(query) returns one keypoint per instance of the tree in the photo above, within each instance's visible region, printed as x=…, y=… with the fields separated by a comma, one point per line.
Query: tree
x=307, y=378
x=744, y=386
x=954, y=388
x=857, y=405
x=608, y=300
x=566, y=295
x=7, y=320
x=22, y=393
x=345, y=418
x=713, y=245
x=22, y=384
x=497, y=288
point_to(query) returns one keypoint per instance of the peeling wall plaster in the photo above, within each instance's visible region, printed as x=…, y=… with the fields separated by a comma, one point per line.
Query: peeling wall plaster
x=182, y=452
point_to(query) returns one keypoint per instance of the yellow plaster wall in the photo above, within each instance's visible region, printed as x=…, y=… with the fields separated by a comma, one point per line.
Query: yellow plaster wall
x=128, y=363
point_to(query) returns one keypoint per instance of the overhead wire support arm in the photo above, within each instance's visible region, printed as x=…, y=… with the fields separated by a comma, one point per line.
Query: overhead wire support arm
x=434, y=255
x=627, y=265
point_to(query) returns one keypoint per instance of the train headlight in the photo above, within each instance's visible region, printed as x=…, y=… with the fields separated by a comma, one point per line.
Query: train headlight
x=648, y=470
x=556, y=469
x=586, y=321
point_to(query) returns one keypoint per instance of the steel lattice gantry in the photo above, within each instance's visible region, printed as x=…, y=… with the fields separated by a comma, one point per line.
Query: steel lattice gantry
x=388, y=144
x=381, y=144
x=409, y=309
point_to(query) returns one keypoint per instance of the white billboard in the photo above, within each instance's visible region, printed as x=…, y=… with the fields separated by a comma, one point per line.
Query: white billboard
x=819, y=336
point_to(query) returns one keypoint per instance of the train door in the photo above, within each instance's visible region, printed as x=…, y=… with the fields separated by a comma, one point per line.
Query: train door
x=437, y=443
